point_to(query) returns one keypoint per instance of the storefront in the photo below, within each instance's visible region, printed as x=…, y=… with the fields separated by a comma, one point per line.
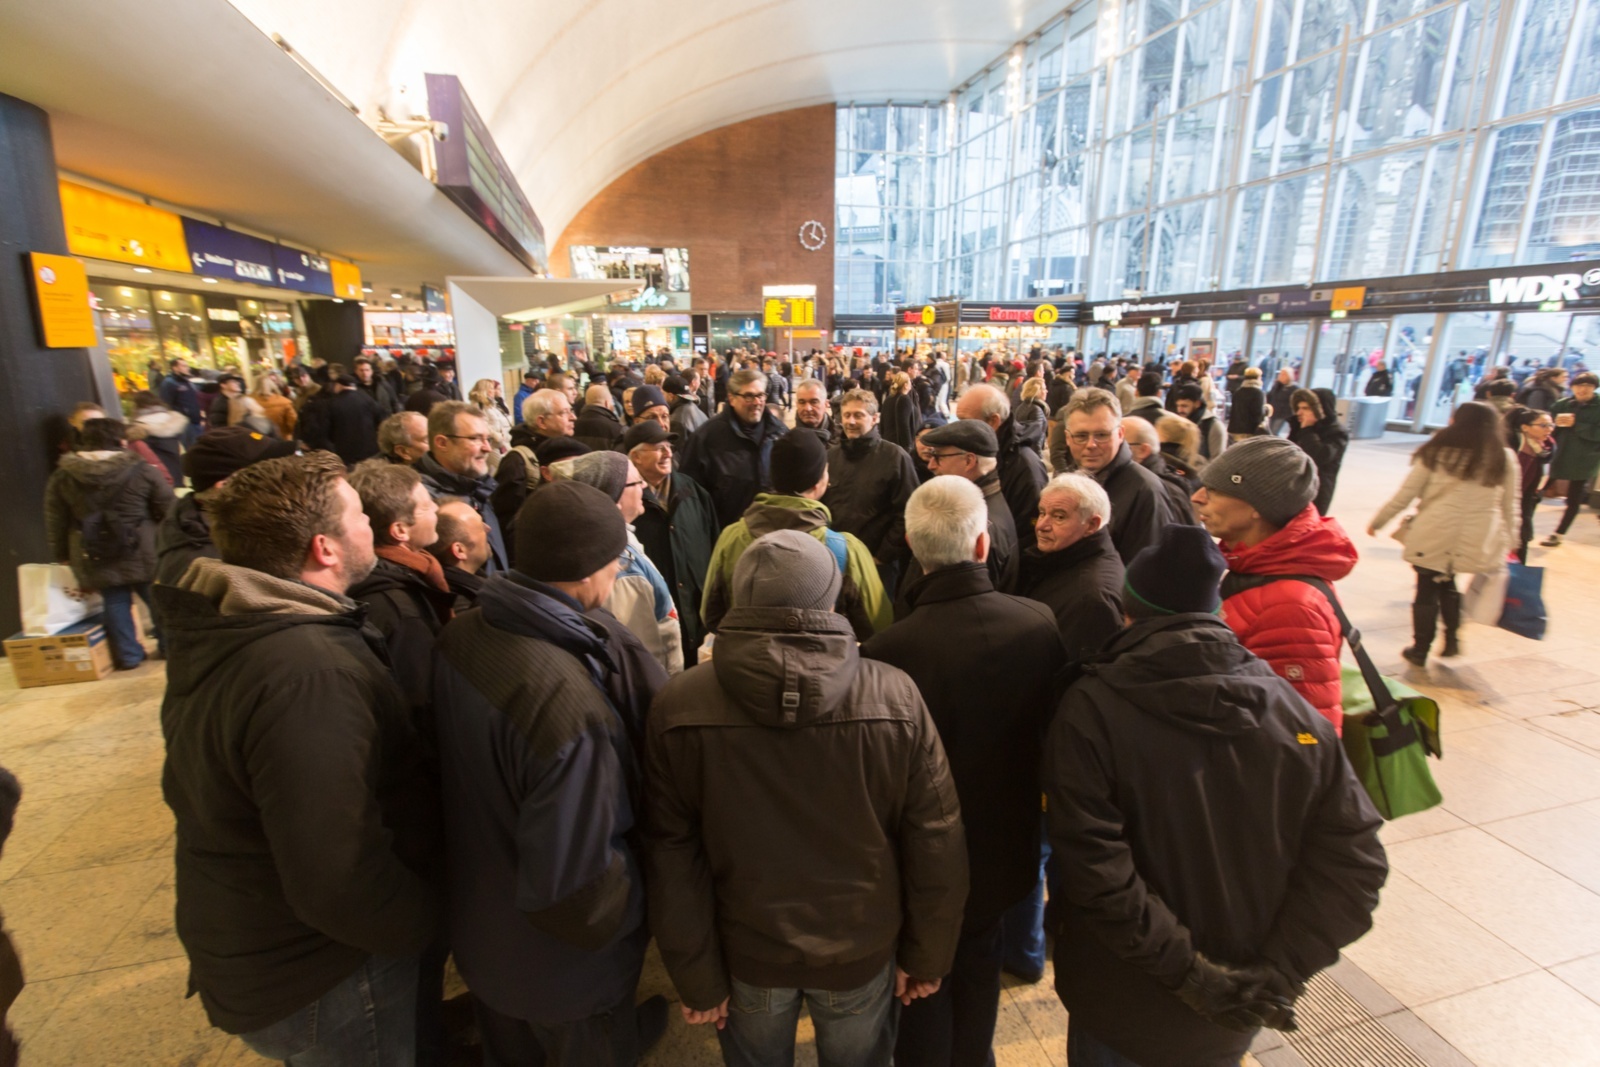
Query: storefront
x=867, y=332
x=1437, y=334
x=1008, y=329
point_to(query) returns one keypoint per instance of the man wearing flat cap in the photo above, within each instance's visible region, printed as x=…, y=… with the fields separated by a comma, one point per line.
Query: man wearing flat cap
x=678, y=527
x=968, y=448
x=799, y=479
x=539, y=736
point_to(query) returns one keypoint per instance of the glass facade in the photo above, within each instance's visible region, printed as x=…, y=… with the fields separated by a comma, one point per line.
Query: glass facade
x=1172, y=146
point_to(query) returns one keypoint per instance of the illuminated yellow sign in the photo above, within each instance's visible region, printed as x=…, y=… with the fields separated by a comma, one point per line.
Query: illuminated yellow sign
x=928, y=315
x=101, y=226
x=346, y=279
x=1350, y=299
x=61, y=293
x=1045, y=314
x=783, y=311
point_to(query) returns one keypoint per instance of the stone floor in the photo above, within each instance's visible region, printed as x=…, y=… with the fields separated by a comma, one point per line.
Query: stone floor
x=1489, y=930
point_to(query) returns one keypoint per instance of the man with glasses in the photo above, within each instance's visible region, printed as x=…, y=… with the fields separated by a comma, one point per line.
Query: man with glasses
x=731, y=455
x=869, y=482
x=678, y=527
x=811, y=410
x=969, y=449
x=457, y=464
x=1139, y=508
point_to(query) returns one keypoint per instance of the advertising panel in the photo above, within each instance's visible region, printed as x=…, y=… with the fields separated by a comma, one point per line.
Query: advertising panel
x=102, y=226
x=61, y=294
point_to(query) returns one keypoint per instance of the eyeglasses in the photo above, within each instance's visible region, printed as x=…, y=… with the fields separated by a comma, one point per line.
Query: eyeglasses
x=748, y=396
x=481, y=438
x=946, y=455
x=1101, y=437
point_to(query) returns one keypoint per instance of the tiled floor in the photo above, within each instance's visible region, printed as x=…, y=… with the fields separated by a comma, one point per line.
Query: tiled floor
x=1489, y=930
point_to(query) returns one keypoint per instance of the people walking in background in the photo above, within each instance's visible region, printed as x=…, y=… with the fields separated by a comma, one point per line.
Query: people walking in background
x=1247, y=412
x=1577, y=460
x=1317, y=430
x=1465, y=484
x=1531, y=433
x=1280, y=399
x=901, y=416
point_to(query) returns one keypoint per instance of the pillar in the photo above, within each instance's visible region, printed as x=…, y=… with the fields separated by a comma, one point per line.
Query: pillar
x=36, y=383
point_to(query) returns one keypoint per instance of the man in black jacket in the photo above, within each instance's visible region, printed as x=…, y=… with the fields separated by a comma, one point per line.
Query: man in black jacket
x=1144, y=442
x=811, y=410
x=598, y=425
x=1074, y=570
x=304, y=817
x=968, y=449
x=370, y=382
x=185, y=534
x=1139, y=506
x=869, y=482
x=343, y=420
x=1217, y=851
x=540, y=717
x=1022, y=470
x=457, y=464
x=987, y=665
x=730, y=456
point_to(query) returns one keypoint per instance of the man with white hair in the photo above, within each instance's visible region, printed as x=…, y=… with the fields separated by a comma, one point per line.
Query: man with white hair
x=1075, y=570
x=1139, y=508
x=986, y=664
x=1022, y=470
x=1144, y=441
x=546, y=413
x=811, y=410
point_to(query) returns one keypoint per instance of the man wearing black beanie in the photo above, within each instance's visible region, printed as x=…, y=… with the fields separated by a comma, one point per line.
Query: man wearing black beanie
x=799, y=468
x=546, y=907
x=1181, y=761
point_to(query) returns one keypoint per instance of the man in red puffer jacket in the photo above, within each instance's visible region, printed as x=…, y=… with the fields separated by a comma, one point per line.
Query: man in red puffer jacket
x=1256, y=499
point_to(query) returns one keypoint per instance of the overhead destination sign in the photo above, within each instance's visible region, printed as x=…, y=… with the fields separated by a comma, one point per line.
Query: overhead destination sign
x=304, y=271
x=220, y=253
x=1308, y=301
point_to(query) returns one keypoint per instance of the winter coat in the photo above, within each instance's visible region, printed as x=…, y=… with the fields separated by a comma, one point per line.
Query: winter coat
x=514, y=477
x=183, y=537
x=541, y=786
x=499, y=425
x=1022, y=470
x=1324, y=441
x=829, y=431
x=642, y=601
x=1540, y=397
x=731, y=461
x=1126, y=391
x=523, y=393
x=128, y=492
x=686, y=416
x=163, y=431
x=423, y=400
x=1291, y=625
x=1381, y=383
x=1139, y=508
x=861, y=596
x=599, y=428
x=1174, y=485
x=901, y=420
x=1197, y=805
x=817, y=886
x=869, y=482
x=1248, y=410
x=1578, y=445
x=1082, y=586
x=408, y=611
x=987, y=665
x=297, y=780
x=380, y=394
x=1147, y=408
x=678, y=536
x=1281, y=399
x=180, y=395
x=1460, y=527
x=344, y=423
x=477, y=492
x=1213, y=434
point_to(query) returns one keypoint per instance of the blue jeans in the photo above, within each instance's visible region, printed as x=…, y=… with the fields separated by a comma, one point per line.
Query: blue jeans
x=1024, y=921
x=121, y=629
x=855, y=1028
x=367, y=1020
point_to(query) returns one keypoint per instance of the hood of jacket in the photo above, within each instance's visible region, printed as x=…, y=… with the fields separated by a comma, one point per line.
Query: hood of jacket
x=525, y=435
x=186, y=524
x=235, y=590
x=97, y=470
x=160, y=422
x=786, y=667
x=1190, y=671
x=771, y=511
x=1313, y=545
x=1330, y=421
x=1023, y=429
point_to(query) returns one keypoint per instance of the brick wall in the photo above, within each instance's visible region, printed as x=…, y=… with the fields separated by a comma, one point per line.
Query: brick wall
x=735, y=198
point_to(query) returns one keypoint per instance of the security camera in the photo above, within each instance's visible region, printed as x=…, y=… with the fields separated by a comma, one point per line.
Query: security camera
x=441, y=131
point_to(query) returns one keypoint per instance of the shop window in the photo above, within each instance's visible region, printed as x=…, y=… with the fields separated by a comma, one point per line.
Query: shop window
x=181, y=323
x=1464, y=356
x=129, y=333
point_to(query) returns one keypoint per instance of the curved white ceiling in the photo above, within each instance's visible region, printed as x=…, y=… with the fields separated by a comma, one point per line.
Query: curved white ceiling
x=577, y=91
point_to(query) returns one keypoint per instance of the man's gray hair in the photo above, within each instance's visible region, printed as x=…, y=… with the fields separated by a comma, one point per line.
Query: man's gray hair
x=995, y=403
x=811, y=383
x=741, y=379
x=863, y=397
x=1091, y=496
x=392, y=432
x=943, y=520
x=541, y=403
x=1090, y=400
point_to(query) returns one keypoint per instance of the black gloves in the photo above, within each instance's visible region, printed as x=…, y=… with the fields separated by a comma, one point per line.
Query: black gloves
x=1240, y=997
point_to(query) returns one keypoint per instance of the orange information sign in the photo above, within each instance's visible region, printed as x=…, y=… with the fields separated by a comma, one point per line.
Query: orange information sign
x=1350, y=299
x=61, y=293
x=346, y=279
x=102, y=226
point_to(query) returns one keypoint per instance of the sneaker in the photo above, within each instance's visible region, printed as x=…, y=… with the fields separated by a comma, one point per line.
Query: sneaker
x=1452, y=647
x=1417, y=657
x=652, y=1021
x=1552, y=541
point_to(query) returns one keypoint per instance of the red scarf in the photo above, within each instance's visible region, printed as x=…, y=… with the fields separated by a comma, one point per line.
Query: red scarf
x=424, y=564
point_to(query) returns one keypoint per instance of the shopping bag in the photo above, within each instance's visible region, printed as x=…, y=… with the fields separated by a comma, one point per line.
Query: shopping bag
x=1485, y=597
x=1524, y=605
x=1388, y=750
x=51, y=599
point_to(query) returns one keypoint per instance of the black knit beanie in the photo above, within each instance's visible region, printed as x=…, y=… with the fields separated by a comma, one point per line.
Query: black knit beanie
x=1178, y=574
x=568, y=531
x=798, y=462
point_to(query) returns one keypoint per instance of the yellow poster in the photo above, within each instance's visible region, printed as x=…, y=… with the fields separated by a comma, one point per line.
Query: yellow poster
x=101, y=226
x=346, y=279
x=61, y=293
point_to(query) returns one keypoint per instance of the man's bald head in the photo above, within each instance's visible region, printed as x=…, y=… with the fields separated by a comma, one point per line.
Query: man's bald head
x=984, y=403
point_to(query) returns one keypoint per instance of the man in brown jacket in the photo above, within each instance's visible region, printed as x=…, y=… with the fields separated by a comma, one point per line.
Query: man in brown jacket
x=804, y=839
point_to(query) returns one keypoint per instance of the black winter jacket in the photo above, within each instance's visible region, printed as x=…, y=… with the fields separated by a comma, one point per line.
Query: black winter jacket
x=183, y=537
x=128, y=492
x=298, y=783
x=344, y=423
x=901, y=420
x=477, y=492
x=988, y=666
x=541, y=783
x=869, y=482
x=1139, y=509
x=599, y=428
x=409, y=613
x=731, y=461
x=816, y=887
x=1247, y=411
x=1325, y=442
x=382, y=394
x=1022, y=470
x=1197, y=804
x=1082, y=585
x=1175, y=486
x=678, y=536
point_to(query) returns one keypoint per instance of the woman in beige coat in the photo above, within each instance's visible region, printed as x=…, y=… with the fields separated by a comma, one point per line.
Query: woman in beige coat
x=1466, y=484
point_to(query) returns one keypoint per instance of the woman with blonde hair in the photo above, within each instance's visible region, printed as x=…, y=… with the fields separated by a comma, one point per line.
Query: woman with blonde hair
x=277, y=407
x=654, y=375
x=482, y=397
x=245, y=411
x=901, y=416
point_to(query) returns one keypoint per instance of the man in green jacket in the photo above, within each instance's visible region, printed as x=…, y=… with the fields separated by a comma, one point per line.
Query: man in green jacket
x=799, y=478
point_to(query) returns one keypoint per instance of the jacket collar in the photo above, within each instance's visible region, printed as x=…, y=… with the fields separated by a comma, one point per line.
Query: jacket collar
x=949, y=583
x=1122, y=459
x=521, y=605
x=1090, y=547
x=856, y=447
x=472, y=488
x=235, y=590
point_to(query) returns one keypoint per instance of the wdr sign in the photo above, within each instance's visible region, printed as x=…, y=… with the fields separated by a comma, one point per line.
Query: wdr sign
x=1539, y=288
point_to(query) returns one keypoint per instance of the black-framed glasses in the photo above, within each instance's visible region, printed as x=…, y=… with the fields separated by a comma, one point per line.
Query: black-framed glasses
x=947, y=455
x=481, y=438
x=748, y=396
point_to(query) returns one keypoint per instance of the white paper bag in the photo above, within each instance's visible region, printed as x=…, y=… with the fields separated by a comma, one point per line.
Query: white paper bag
x=1485, y=598
x=51, y=599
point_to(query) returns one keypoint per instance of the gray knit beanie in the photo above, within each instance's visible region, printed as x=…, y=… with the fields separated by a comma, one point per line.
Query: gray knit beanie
x=606, y=471
x=786, y=569
x=1271, y=474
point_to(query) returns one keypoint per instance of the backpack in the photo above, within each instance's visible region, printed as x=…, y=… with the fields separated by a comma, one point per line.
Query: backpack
x=530, y=466
x=104, y=539
x=839, y=547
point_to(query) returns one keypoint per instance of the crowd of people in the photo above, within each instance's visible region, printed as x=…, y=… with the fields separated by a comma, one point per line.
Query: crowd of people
x=774, y=664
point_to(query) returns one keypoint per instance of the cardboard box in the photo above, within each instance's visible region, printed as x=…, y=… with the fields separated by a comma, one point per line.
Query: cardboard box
x=79, y=653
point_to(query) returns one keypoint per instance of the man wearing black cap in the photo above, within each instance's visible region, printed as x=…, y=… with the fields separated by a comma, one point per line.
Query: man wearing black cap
x=649, y=404
x=731, y=453
x=684, y=411
x=799, y=480
x=1217, y=852
x=969, y=449
x=678, y=527
x=539, y=736
x=185, y=534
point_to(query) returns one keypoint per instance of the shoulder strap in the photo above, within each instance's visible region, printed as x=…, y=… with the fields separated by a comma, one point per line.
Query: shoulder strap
x=1382, y=699
x=839, y=547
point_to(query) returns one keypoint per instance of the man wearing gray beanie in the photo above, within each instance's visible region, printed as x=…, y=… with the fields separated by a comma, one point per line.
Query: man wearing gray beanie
x=1256, y=499
x=824, y=860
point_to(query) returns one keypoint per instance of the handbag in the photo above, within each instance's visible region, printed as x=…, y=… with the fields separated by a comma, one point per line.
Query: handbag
x=1485, y=597
x=1523, y=612
x=51, y=598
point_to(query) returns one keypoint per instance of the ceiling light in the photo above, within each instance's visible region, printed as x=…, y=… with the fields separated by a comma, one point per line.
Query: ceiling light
x=127, y=292
x=209, y=281
x=396, y=295
x=337, y=300
x=366, y=288
x=143, y=270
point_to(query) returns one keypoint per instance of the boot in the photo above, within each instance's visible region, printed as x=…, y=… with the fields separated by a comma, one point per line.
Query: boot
x=1416, y=656
x=1424, y=625
x=1450, y=609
